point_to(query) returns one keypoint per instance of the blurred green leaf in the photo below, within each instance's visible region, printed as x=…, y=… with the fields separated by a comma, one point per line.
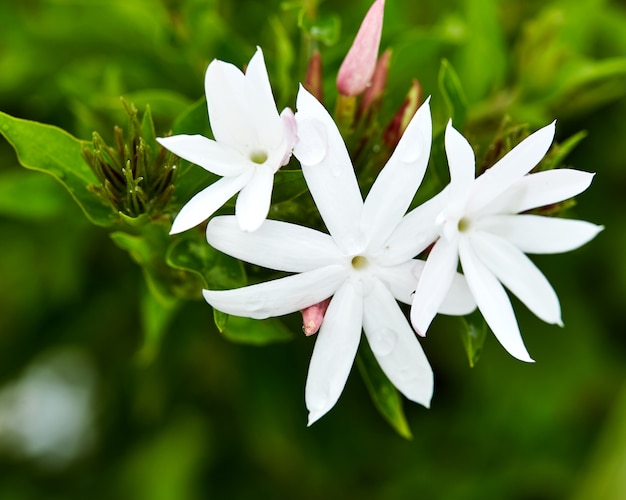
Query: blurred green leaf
x=54, y=151
x=482, y=57
x=29, y=196
x=155, y=320
x=385, y=396
x=251, y=331
x=473, y=334
x=325, y=30
x=453, y=95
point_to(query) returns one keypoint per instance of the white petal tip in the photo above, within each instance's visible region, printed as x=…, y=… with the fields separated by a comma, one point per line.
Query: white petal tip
x=314, y=417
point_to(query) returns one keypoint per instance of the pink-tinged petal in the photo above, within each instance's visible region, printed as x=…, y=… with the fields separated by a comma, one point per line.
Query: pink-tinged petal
x=394, y=188
x=395, y=345
x=206, y=202
x=493, y=302
x=332, y=181
x=416, y=231
x=541, y=189
x=335, y=349
x=461, y=159
x=253, y=202
x=220, y=159
x=539, y=234
x=228, y=105
x=313, y=317
x=518, y=274
x=512, y=167
x=290, y=135
x=275, y=245
x=278, y=297
x=358, y=67
x=434, y=284
x=265, y=122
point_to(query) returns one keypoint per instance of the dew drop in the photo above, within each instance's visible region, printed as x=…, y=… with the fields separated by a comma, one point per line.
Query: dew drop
x=383, y=341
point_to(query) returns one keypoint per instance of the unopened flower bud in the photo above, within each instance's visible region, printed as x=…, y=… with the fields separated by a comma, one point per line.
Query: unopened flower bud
x=357, y=69
x=399, y=123
x=374, y=92
x=313, y=80
x=313, y=316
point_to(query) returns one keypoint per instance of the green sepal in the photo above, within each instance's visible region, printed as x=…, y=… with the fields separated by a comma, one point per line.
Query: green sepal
x=51, y=150
x=251, y=331
x=473, y=329
x=384, y=394
x=453, y=95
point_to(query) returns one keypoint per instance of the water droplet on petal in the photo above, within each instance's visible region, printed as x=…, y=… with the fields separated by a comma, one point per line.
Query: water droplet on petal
x=382, y=341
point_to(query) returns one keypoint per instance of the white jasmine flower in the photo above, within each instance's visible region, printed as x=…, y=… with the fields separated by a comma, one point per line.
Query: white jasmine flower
x=479, y=222
x=353, y=264
x=251, y=143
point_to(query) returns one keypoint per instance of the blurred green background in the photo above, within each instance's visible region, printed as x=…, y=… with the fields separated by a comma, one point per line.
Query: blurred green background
x=82, y=415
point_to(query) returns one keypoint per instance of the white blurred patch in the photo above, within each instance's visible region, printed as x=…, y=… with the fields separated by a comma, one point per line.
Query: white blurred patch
x=47, y=414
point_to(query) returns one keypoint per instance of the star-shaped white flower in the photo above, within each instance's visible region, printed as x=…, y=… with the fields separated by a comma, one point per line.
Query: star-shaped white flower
x=480, y=223
x=251, y=143
x=354, y=263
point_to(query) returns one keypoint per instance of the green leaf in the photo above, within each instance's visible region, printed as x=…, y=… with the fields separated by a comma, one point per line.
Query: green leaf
x=190, y=252
x=385, y=396
x=54, y=151
x=473, y=334
x=453, y=95
x=251, y=331
x=288, y=184
x=148, y=249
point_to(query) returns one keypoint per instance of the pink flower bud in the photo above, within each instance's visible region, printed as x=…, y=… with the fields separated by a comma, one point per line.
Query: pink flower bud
x=313, y=80
x=313, y=316
x=358, y=67
x=374, y=92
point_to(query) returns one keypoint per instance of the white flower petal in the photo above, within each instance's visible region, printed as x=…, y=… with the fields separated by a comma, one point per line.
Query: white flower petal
x=227, y=104
x=415, y=232
x=217, y=158
x=434, y=283
x=278, y=297
x=335, y=349
x=253, y=202
x=401, y=279
x=206, y=202
x=459, y=300
x=493, y=302
x=461, y=159
x=275, y=245
x=394, y=188
x=265, y=121
x=518, y=274
x=540, y=189
x=538, y=234
x=332, y=181
x=512, y=167
x=395, y=345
